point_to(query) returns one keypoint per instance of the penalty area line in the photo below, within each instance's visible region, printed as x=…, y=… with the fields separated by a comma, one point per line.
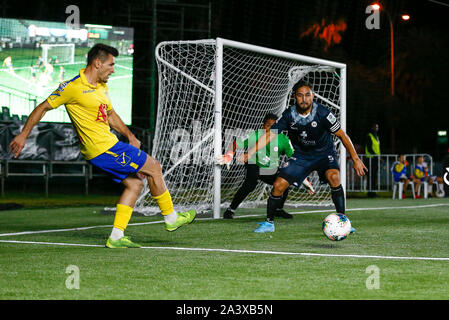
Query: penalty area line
x=303, y=254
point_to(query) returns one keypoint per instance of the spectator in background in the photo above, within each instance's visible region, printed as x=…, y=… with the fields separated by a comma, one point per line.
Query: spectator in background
x=372, y=147
x=399, y=170
x=422, y=175
x=8, y=63
x=61, y=73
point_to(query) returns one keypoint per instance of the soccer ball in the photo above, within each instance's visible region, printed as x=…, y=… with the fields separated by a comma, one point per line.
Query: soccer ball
x=440, y=193
x=336, y=226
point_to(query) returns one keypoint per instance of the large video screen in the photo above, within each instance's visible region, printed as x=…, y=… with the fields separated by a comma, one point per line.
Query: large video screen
x=37, y=55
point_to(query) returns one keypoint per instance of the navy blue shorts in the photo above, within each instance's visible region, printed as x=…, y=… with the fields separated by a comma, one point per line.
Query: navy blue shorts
x=120, y=161
x=296, y=169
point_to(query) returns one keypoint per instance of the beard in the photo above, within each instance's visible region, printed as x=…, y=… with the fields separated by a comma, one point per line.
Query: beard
x=303, y=108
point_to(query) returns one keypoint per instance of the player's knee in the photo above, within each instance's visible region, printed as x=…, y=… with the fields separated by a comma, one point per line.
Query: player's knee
x=279, y=186
x=152, y=167
x=333, y=178
x=137, y=185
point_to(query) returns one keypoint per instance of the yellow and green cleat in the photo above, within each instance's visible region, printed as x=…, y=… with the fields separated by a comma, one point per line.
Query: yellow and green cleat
x=183, y=218
x=124, y=242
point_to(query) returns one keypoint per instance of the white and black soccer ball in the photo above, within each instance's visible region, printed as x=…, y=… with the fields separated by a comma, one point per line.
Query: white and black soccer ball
x=336, y=226
x=440, y=193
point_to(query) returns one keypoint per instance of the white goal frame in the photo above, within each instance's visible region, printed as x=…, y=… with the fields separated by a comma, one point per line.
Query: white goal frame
x=220, y=44
x=46, y=46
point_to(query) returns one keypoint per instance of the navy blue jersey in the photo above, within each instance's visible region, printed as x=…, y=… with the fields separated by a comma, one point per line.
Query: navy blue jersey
x=310, y=135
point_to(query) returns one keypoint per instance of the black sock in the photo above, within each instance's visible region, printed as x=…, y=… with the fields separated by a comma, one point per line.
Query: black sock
x=273, y=204
x=283, y=198
x=338, y=197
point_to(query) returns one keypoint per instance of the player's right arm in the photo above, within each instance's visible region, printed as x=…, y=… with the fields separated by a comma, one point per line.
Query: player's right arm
x=18, y=143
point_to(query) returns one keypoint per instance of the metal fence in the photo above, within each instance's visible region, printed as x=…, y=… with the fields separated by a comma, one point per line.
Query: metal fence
x=46, y=169
x=380, y=180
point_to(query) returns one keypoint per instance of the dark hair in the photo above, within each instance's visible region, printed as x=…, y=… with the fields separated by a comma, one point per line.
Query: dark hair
x=301, y=83
x=100, y=51
x=269, y=116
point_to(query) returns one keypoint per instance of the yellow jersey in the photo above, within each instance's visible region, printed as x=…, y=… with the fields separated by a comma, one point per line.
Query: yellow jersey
x=87, y=106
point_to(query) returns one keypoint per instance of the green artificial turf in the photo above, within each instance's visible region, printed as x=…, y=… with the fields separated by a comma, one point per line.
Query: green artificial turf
x=225, y=259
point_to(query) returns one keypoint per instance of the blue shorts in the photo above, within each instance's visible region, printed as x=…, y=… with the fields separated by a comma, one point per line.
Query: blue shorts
x=399, y=176
x=120, y=161
x=296, y=169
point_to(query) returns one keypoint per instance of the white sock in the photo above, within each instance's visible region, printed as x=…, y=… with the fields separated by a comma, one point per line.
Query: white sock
x=116, y=234
x=171, y=218
x=440, y=185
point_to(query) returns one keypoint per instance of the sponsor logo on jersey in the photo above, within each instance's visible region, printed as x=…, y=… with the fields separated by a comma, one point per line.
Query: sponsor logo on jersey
x=62, y=86
x=101, y=114
x=89, y=91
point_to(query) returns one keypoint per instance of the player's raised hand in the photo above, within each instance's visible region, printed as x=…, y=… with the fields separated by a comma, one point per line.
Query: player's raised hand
x=359, y=167
x=226, y=159
x=17, y=144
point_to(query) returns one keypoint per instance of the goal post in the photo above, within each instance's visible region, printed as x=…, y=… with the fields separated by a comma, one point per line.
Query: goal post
x=213, y=91
x=65, y=53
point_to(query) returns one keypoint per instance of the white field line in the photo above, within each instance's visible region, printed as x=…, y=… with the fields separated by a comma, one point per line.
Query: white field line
x=204, y=219
x=233, y=250
x=121, y=77
x=303, y=254
x=124, y=67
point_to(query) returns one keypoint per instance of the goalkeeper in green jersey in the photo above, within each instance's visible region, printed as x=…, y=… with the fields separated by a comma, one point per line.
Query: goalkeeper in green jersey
x=262, y=166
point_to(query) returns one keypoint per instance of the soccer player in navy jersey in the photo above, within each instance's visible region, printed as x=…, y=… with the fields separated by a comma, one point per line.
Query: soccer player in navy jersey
x=310, y=126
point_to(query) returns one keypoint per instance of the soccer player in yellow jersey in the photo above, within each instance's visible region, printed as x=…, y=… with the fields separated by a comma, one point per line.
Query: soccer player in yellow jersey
x=87, y=102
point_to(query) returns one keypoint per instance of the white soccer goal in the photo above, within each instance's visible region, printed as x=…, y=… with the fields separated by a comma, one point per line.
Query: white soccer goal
x=211, y=91
x=65, y=53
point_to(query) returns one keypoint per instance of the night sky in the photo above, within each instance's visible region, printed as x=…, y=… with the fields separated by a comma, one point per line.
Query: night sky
x=408, y=121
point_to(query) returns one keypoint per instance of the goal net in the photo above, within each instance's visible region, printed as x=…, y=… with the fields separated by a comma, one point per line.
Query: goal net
x=59, y=53
x=213, y=91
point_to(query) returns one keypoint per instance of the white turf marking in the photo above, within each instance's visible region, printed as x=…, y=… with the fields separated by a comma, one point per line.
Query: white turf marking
x=124, y=67
x=237, y=217
x=304, y=254
x=121, y=77
x=231, y=250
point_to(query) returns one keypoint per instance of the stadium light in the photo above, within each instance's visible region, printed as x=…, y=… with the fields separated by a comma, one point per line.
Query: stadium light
x=97, y=26
x=375, y=6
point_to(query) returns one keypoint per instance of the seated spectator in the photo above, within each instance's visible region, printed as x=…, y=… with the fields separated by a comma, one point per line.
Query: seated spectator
x=399, y=170
x=422, y=175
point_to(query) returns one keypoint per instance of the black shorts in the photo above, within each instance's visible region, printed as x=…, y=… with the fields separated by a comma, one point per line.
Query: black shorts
x=296, y=169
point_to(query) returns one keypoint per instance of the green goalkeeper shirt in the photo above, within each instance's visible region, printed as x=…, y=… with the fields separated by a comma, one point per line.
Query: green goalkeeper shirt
x=269, y=156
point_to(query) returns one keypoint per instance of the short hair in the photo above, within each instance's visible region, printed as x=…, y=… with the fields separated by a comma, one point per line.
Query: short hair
x=100, y=51
x=269, y=116
x=301, y=83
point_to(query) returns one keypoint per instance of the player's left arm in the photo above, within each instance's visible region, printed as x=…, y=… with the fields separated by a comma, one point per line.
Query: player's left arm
x=359, y=167
x=116, y=123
